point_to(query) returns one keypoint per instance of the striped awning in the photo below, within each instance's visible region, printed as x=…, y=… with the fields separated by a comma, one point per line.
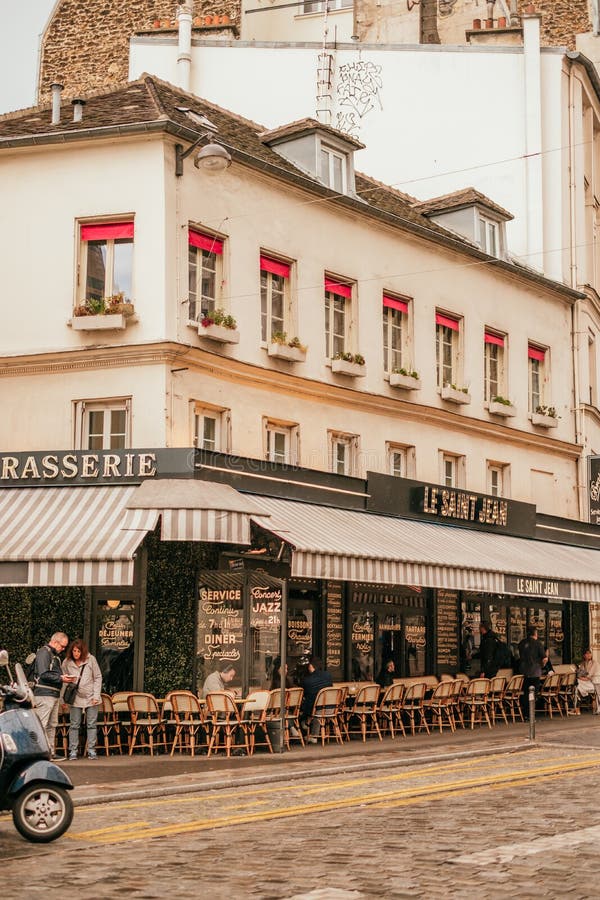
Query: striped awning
x=70, y=535
x=197, y=510
x=351, y=545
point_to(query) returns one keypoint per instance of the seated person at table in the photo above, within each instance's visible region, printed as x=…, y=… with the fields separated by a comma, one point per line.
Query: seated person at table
x=386, y=674
x=588, y=679
x=218, y=681
x=547, y=667
x=316, y=679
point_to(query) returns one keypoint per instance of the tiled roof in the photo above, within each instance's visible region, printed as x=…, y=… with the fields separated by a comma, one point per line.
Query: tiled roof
x=458, y=200
x=303, y=126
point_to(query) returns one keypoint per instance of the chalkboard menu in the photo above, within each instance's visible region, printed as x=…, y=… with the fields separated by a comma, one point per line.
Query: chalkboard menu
x=447, y=631
x=334, y=650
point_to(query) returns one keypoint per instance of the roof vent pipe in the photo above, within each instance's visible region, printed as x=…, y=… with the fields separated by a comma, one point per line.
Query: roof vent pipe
x=78, y=109
x=56, y=92
x=184, y=56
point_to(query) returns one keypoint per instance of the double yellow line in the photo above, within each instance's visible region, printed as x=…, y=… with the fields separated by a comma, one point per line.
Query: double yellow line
x=382, y=799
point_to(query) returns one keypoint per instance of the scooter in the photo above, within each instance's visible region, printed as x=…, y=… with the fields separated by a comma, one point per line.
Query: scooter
x=32, y=787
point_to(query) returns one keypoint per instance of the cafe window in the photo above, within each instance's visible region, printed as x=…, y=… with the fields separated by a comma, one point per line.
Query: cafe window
x=338, y=317
x=452, y=469
x=274, y=300
x=401, y=460
x=498, y=479
x=105, y=262
x=362, y=625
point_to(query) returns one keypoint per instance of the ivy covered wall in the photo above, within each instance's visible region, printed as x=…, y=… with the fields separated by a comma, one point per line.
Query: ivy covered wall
x=170, y=612
x=29, y=616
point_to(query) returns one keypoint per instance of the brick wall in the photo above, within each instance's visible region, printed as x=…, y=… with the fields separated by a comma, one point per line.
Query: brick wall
x=562, y=20
x=86, y=44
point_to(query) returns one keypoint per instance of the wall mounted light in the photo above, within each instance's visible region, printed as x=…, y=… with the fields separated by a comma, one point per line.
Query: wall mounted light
x=211, y=158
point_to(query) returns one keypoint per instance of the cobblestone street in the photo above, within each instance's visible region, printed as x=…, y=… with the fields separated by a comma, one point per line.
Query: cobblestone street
x=511, y=824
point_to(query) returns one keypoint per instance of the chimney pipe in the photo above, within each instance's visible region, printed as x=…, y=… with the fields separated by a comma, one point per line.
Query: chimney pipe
x=56, y=92
x=184, y=58
x=78, y=109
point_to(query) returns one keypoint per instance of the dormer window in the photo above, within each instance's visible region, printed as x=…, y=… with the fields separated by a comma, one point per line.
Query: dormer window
x=333, y=169
x=489, y=235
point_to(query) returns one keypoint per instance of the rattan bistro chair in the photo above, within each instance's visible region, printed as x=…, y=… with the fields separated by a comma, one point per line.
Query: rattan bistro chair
x=550, y=694
x=254, y=712
x=147, y=727
x=293, y=706
x=476, y=702
x=390, y=710
x=327, y=714
x=439, y=706
x=512, y=697
x=497, y=705
x=568, y=692
x=226, y=723
x=361, y=718
x=189, y=721
x=109, y=729
x=413, y=708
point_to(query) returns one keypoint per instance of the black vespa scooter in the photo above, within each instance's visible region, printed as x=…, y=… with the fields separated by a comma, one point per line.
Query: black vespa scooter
x=31, y=786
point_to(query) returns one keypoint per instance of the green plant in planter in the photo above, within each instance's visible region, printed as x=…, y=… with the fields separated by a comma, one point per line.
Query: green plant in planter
x=410, y=373
x=218, y=317
x=279, y=337
x=357, y=358
x=463, y=390
x=547, y=411
x=502, y=400
x=297, y=344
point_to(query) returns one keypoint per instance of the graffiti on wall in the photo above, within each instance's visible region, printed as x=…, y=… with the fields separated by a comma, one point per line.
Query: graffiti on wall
x=358, y=92
x=446, y=7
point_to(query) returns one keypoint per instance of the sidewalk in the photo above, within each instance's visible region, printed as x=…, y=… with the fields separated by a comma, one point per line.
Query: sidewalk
x=113, y=778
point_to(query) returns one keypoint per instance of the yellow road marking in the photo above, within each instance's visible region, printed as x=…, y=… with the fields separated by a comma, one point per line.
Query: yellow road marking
x=111, y=828
x=405, y=796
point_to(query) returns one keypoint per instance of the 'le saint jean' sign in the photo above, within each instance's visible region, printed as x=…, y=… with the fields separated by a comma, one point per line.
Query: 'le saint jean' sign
x=88, y=467
x=465, y=506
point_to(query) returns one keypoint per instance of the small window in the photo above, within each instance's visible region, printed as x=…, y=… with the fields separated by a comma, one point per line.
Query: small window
x=489, y=236
x=316, y=6
x=452, y=469
x=333, y=169
x=106, y=261
x=498, y=479
x=104, y=424
x=447, y=335
x=274, y=299
x=395, y=333
x=205, y=274
x=338, y=304
x=343, y=450
x=281, y=441
x=211, y=428
x=537, y=377
x=401, y=460
x=494, y=378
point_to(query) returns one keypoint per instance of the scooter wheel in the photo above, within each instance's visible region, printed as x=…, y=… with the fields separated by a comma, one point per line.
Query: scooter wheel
x=42, y=812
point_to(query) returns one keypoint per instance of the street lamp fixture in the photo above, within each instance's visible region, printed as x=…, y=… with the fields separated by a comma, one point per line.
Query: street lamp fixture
x=212, y=158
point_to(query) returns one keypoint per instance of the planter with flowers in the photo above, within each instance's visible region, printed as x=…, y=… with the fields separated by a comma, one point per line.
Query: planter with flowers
x=455, y=394
x=407, y=379
x=544, y=417
x=219, y=326
x=352, y=364
x=103, y=313
x=281, y=348
x=500, y=406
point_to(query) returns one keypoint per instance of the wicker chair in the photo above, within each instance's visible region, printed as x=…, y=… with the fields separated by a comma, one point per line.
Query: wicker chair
x=327, y=714
x=390, y=710
x=512, y=697
x=109, y=729
x=412, y=706
x=497, y=705
x=361, y=718
x=293, y=705
x=226, y=723
x=476, y=702
x=568, y=692
x=550, y=694
x=147, y=727
x=439, y=706
x=188, y=717
x=254, y=713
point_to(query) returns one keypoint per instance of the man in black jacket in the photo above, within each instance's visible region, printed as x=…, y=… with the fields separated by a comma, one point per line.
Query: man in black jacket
x=49, y=680
x=487, y=651
x=316, y=679
x=531, y=656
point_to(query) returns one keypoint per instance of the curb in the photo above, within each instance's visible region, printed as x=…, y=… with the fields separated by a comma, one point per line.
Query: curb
x=148, y=792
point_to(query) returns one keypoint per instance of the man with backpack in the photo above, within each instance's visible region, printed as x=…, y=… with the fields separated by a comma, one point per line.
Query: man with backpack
x=49, y=679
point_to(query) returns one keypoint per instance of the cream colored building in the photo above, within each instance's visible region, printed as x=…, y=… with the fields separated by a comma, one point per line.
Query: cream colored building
x=286, y=240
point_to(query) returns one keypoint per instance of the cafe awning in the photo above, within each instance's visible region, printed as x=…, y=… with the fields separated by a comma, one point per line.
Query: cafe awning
x=350, y=545
x=196, y=510
x=69, y=536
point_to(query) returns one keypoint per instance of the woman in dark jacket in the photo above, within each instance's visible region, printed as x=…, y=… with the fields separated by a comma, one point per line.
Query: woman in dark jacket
x=386, y=674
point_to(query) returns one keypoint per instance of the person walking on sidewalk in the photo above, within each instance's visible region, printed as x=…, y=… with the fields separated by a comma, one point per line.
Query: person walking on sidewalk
x=487, y=651
x=49, y=679
x=531, y=657
x=85, y=670
x=317, y=678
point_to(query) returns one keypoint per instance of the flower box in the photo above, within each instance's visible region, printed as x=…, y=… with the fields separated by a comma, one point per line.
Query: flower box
x=543, y=421
x=284, y=351
x=219, y=333
x=111, y=322
x=407, y=382
x=454, y=395
x=501, y=409
x=352, y=369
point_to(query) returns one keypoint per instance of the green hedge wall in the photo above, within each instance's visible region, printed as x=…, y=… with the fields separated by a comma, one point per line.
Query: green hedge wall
x=29, y=616
x=170, y=612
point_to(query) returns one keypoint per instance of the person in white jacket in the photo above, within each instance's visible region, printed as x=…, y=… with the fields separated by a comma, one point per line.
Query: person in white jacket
x=588, y=679
x=80, y=663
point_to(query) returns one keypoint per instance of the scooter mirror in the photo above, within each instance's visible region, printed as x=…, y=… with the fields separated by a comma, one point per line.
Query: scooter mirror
x=3, y=657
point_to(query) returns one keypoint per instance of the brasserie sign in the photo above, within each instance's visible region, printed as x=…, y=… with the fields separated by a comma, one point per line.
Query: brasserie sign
x=77, y=467
x=532, y=586
x=464, y=506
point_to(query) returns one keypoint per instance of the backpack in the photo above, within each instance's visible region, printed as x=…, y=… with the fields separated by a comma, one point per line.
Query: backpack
x=502, y=655
x=29, y=670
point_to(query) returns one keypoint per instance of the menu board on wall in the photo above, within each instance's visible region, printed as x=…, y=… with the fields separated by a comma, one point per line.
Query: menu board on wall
x=220, y=632
x=447, y=631
x=334, y=649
